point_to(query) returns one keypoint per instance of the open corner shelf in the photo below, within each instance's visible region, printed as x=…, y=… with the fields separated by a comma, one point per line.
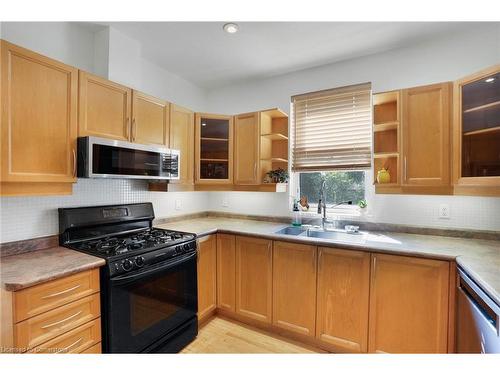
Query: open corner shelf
x=276, y=136
x=386, y=126
x=381, y=155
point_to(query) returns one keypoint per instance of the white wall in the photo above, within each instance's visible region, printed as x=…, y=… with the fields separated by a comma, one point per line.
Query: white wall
x=443, y=59
x=113, y=55
x=96, y=51
x=64, y=41
x=30, y=217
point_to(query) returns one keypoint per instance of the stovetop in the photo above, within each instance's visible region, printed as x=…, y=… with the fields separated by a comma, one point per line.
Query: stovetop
x=131, y=244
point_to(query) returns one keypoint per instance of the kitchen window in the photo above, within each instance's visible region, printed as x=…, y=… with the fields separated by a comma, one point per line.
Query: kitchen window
x=332, y=141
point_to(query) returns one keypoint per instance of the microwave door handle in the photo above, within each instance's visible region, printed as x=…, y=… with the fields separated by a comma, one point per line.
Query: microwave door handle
x=164, y=266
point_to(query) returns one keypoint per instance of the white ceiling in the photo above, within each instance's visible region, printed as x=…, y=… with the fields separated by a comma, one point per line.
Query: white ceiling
x=205, y=55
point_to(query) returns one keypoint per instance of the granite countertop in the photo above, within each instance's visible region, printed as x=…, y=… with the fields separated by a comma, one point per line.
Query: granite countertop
x=479, y=258
x=35, y=267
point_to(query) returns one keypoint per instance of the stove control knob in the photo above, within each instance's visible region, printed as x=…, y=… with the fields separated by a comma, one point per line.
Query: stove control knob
x=186, y=247
x=139, y=261
x=178, y=249
x=127, y=265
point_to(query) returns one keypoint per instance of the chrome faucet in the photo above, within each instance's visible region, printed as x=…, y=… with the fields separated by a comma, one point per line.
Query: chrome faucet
x=322, y=205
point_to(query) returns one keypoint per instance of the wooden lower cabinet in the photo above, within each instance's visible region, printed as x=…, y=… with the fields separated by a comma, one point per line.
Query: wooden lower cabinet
x=254, y=273
x=409, y=300
x=78, y=340
x=294, y=287
x=207, y=276
x=226, y=272
x=58, y=316
x=343, y=296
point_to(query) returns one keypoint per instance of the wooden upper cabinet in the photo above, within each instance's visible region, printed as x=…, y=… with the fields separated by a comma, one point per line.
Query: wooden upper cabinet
x=254, y=273
x=476, y=133
x=343, y=296
x=213, y=149
x=246, y=149
x=104, y=108
x=182, y=138
x=226, y=272
x=207, y=276
x=408, y=305
x=39, y=119
x=426, y=135
x=150, y=120
x=294, y=287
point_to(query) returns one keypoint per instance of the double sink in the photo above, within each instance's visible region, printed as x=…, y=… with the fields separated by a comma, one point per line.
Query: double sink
x=330, y=234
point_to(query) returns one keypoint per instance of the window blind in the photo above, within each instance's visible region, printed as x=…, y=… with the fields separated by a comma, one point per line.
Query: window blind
x=332, y=129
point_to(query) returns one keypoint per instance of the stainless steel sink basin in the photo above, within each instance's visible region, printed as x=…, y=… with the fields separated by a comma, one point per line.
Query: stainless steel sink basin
x=294, y=231
x=337, y=235
x=317, y=232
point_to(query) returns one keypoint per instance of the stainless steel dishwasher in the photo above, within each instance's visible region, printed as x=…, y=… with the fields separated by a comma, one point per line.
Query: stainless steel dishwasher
x=478, y=318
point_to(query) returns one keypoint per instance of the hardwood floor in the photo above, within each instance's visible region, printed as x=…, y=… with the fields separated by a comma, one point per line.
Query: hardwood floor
x=224, y=336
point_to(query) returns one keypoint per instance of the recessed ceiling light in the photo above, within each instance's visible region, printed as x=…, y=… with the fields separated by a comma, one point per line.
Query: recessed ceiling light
x=203, y=124
x=231, y=28
x=488, y=80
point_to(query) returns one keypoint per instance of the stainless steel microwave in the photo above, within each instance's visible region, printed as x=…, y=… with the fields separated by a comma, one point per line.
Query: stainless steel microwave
x=108, y=158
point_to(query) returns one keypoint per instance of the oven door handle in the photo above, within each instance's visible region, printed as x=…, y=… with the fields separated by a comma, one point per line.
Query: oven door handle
x=160, y=267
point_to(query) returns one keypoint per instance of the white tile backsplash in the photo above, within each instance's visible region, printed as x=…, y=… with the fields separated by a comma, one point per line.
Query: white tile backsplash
x=30, y=217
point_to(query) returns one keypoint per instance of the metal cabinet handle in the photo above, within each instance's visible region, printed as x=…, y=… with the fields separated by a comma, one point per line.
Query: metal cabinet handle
x=405, y=169
x=61, y=292
x=62, y=320
x=320, y=256
x=74, y=163
x=134, y=130
x=374, y=267
x=127, y=128
x=70, y=346
x=255, y=170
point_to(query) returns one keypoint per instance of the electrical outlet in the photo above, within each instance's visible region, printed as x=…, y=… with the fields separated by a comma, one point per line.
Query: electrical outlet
x=178, y=204
x=225, y=203
x=444, y=211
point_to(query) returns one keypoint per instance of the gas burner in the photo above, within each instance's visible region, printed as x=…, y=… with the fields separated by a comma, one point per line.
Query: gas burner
x=143, y=240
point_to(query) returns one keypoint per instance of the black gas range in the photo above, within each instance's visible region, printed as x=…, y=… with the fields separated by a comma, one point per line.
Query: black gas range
x=149, y=283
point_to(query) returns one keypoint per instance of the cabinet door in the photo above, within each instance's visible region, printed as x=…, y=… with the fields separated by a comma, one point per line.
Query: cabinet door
x=426, y=135
x=150, y=122
x=207, y=266
x=294, y=287
x=246, y=149
x=254, y=278
x=343, y=290
x=213, y=149
x=182, y=138
x=408, y=305
x=226, y=272
x=476, y=133
x=104, y=108
x=39, y=117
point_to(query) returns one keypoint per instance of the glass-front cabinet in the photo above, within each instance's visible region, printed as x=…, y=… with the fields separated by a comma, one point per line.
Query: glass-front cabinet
x=214, y=145
x=477, y=130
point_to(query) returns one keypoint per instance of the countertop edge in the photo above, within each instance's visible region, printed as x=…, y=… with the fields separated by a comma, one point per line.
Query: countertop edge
x=14, y=287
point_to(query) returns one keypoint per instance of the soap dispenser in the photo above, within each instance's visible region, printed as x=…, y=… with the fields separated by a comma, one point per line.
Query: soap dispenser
x=297, y=219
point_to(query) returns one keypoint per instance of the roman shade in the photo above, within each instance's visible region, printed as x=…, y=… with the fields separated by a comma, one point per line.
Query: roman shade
x=332, y=129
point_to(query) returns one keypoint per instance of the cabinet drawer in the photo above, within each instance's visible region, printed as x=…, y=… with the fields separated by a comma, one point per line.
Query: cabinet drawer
x=47, y=296
x=95, y=349
x=77, y=340
x=39, y=329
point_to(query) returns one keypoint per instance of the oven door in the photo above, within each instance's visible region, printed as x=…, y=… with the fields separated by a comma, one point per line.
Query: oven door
x=145, y=306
